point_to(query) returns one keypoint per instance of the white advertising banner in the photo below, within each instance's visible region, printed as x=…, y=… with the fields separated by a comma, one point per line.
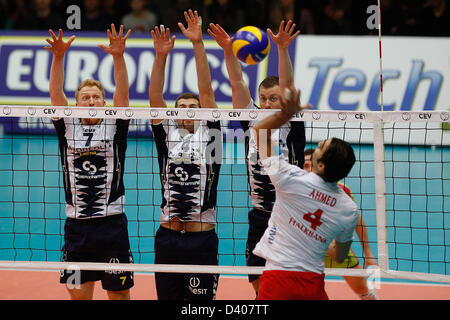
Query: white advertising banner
x=343, y=73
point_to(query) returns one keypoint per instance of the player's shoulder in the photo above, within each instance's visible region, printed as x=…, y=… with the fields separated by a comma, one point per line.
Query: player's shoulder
x=346, y=189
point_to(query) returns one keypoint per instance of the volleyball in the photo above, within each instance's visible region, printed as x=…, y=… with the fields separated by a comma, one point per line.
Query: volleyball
x=251, y=45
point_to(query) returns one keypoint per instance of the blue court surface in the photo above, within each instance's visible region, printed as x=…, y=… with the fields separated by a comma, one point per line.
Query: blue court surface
x=32, y=202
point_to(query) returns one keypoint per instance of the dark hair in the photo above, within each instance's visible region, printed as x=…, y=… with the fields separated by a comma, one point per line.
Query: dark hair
x=269, y=82
x=187, y=95
x=338, y=159
x=308, y=152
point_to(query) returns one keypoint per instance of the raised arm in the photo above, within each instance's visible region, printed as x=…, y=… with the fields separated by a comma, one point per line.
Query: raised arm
x=361, y=231
x=283, y=39
x=116, y=48
x=58, y=48
x=290, y=104
x=240, y=93
x=163, y=43
x=194, y=33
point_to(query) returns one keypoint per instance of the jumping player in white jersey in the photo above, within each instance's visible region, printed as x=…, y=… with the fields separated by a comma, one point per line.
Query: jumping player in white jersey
x=359, y=285
x=291, y=136
x=189, y=154
x=312, y=215
x=92, y=156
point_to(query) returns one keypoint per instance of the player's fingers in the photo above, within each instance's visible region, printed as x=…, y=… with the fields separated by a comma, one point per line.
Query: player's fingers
x=106, y=49
x=187, y=17
x=269, y=31
x=295, y=34
x=70, y=40
x=121, y=31
x=162, y=30
x=157, y=31
x=113, y=30
x=197, y=18
x=213, y=29
x=127, y=35
x=221, y=30
x=182, y=28
x=168, y=33
x=291, y=29
x=193, y=15
x=288, y=25
x=52, y=34
x=212, y=34
x=281, y=28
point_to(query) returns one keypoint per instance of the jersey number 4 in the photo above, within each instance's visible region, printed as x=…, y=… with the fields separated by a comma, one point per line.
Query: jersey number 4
x=314, y=218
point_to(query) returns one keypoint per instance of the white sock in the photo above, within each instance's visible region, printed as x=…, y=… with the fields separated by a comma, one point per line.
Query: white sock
x=370, y=295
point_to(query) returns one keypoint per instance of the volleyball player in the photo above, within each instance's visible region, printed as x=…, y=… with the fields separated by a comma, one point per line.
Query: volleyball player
x=92, y=157
x=189, y=154
x=357, y=284
x=291, y=136
x=311, y=214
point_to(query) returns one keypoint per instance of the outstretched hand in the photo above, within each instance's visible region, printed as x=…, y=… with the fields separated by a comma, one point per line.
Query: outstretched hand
x=284, y=36
x=162, y=42
x=194, y=26
x=220, y=35
x=116, y=41
x=58, y=47
x=290, y=102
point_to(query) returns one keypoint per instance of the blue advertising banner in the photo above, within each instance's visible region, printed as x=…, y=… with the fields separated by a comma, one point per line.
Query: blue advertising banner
x=25, y=67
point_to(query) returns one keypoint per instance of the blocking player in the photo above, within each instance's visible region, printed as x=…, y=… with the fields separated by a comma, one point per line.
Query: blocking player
x=189, y=154
x=357, y=284
x=92, y=157
x=312, y=215
x=291, y=136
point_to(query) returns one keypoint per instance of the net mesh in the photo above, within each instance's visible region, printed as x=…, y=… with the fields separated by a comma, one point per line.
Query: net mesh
x=416, y=177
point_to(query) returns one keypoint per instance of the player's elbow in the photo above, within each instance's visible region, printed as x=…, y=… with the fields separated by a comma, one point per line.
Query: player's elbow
x=342, y=250
x=341, y=259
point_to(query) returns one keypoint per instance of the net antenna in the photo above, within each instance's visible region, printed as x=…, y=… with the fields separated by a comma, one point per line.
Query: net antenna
x=381, y=60
x=379, y=169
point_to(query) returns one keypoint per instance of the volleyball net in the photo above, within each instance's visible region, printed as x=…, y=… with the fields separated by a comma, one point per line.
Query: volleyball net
x=400, y=182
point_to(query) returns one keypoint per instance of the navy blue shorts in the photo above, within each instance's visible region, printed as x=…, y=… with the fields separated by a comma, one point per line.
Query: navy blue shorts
x=97, y=240
x=257, y=224
x=197, y=248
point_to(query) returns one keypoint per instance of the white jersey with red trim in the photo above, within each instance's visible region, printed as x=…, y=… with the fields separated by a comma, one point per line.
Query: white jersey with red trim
x=307, y=215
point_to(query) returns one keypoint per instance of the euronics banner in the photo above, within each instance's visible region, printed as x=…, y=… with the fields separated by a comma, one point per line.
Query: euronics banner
x=334, y=73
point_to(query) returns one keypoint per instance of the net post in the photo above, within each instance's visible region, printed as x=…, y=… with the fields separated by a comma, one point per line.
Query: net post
x=380, y=194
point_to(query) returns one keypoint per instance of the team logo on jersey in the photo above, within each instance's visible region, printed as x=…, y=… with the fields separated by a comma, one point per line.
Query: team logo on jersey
x=90, y=175
x=184, y=185
x=181, y=174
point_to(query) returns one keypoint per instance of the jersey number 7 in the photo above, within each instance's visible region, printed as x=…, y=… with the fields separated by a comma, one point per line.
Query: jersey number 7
x=314, y=218
x=89, y=135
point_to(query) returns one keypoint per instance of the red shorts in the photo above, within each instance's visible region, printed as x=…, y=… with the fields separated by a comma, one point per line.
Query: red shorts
x=291, y=285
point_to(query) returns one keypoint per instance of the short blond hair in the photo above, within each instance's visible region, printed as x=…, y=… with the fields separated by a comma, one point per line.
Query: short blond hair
x=90, y=83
